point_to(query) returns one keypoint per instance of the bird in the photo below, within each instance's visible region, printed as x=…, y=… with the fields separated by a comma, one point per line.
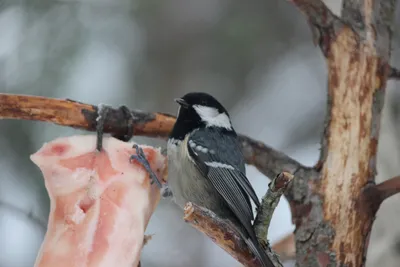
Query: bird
x=206, y=166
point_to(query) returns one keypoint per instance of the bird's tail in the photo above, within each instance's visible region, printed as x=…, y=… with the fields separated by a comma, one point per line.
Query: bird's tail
x=259, y=252
x=251, y=240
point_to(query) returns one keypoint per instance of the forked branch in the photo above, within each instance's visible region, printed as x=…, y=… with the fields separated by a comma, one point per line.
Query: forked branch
x=316, y=12
x=321, y=20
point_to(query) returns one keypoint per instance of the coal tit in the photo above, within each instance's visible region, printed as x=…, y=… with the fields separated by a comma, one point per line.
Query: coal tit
x=206, y=166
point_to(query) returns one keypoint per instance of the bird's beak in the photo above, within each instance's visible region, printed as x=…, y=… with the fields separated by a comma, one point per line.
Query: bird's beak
x=181, y=102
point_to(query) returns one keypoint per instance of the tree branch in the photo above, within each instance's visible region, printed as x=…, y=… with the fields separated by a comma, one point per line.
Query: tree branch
x=373, y=195
x=389, y=188
x=394, y=74
x=321, y=21
x=122, y=124
x=264, y=214
x=83, y=116
x=267, y=160
x=269, y=202
x=221, y=232
x=316, y=12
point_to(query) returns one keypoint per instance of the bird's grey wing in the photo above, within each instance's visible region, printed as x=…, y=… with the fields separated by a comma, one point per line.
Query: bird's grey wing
x=226, y=150
x=210, y=149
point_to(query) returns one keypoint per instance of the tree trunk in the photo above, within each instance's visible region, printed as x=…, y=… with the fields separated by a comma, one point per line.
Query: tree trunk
x=335, y=204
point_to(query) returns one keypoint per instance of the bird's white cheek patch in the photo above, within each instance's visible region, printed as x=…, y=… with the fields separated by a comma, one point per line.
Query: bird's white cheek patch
x=212, y=117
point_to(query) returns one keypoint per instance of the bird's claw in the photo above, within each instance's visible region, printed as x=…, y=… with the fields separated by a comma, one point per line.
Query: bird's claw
x=141, y=158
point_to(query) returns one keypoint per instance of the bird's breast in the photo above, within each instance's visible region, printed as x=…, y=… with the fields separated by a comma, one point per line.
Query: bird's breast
x=186, y=182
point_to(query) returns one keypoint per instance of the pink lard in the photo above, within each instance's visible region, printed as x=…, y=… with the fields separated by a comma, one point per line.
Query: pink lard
x=100, y=202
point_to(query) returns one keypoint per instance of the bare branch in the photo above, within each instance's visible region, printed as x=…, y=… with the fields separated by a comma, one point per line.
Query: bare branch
x=317, y=13
x=121, y=123
x=269, y=203
x=373, y=195
x=389, y=187
x=321, y=20
x=394, y=74
x=264, y=214
x=267, y=160
x=83, y=116
x=373, y=23
x=286, y=248
x=221, y=232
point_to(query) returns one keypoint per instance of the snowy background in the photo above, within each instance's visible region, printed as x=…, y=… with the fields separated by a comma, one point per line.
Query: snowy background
x=254, y=56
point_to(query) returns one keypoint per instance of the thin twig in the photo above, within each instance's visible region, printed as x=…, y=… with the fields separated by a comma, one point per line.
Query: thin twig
x=268, y=204
x=120, y=122
x=221, y=232
x=264, y=215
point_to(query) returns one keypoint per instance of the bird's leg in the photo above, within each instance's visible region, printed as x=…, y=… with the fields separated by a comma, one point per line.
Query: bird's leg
x=165, y=192
x=101, y=118
x=141, y=158
x=123, y=113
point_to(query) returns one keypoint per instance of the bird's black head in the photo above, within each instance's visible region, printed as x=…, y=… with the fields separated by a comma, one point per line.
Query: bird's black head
x=199, y=110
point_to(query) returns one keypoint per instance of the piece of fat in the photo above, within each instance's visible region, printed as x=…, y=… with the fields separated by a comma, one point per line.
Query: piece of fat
x=100, y=202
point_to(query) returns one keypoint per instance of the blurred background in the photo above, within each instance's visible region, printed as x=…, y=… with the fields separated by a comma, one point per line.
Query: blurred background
x=255, y=56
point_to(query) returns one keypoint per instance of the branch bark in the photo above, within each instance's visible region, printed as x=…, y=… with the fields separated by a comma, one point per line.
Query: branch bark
x=269, y=203
x=267, y=160
x=264, y=214
x=373, y=195
x=220, y=232
x=121, y=124
x=389, y=188
x=322, y=21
